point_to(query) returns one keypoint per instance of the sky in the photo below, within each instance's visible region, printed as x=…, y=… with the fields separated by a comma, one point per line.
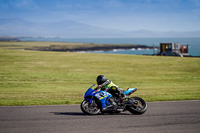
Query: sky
x=127, y=15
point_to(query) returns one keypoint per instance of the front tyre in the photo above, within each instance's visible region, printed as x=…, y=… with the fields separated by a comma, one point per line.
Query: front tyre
x=89, y=108
x=136, y=105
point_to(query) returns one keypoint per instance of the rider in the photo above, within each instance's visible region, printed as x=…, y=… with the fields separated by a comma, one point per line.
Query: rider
x=107, y=85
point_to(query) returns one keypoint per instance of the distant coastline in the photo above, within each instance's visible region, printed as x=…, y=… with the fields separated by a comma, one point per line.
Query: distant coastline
x=97, y=43
x=9, y=39
x=86, y=47
x=89, y=47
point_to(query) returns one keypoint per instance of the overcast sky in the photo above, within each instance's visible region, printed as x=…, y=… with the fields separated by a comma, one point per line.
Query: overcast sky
x=129, y=15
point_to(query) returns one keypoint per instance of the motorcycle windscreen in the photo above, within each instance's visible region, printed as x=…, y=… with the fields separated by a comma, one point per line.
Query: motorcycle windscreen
x=88, y=92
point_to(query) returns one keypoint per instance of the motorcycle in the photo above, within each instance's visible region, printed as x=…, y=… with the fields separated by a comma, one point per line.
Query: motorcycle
x=96, y=102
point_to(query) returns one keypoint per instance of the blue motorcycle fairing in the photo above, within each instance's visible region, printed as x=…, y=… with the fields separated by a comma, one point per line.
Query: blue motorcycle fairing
x=102, y=96
x=129, y=91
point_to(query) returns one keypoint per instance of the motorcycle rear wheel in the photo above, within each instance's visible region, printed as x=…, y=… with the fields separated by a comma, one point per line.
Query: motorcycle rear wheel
x=138, y=105
x=89, y=108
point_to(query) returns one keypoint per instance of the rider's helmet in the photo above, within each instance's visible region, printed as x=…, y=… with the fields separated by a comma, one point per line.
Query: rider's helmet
x=101, y=79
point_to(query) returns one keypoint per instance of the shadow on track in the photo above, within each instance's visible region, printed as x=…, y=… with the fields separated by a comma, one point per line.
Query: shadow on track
x=68, y=113
x=82, y=114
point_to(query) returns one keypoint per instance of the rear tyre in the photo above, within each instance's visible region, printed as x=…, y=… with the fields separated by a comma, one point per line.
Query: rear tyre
x=89, y=108
x=138, y=105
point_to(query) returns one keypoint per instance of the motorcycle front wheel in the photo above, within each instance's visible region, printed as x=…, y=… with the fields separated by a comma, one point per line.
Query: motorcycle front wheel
x=89, y=108
x=138, y=105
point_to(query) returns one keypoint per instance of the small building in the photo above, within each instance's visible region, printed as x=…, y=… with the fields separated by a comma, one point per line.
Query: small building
x=173, y=49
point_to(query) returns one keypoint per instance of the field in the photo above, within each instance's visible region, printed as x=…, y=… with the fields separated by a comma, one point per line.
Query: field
x=45, y=78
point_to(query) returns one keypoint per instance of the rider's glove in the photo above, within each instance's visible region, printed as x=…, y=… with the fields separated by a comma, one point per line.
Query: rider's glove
x=99, y=86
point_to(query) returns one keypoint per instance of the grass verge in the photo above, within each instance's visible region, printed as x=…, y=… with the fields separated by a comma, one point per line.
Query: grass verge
x=45, y=78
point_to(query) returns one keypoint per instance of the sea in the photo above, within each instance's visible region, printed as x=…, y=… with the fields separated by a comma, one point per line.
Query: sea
x=194, y=44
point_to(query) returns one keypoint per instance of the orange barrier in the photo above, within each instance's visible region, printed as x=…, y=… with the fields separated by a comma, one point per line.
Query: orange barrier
x=182, y=49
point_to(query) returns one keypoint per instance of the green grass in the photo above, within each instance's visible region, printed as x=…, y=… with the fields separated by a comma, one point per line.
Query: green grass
x=44, y=78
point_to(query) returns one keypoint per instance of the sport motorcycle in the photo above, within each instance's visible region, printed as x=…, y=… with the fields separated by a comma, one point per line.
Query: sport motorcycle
x=96, y=102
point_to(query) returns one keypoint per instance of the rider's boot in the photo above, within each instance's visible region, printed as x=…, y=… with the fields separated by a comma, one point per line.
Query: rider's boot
x=123, y=98
x=111, y=107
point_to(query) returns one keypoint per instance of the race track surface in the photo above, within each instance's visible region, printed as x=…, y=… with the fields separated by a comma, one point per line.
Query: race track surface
x=161, y=117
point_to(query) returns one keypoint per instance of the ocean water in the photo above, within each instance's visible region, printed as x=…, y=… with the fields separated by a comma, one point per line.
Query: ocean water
x=194, y=43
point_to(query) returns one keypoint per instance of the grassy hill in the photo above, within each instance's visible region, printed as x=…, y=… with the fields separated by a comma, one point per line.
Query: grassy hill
x=44, y=78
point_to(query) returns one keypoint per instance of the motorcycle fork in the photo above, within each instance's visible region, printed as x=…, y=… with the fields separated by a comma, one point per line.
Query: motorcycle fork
x=92, y=103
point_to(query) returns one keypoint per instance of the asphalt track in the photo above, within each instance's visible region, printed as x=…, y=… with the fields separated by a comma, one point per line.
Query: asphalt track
x=161, y=117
